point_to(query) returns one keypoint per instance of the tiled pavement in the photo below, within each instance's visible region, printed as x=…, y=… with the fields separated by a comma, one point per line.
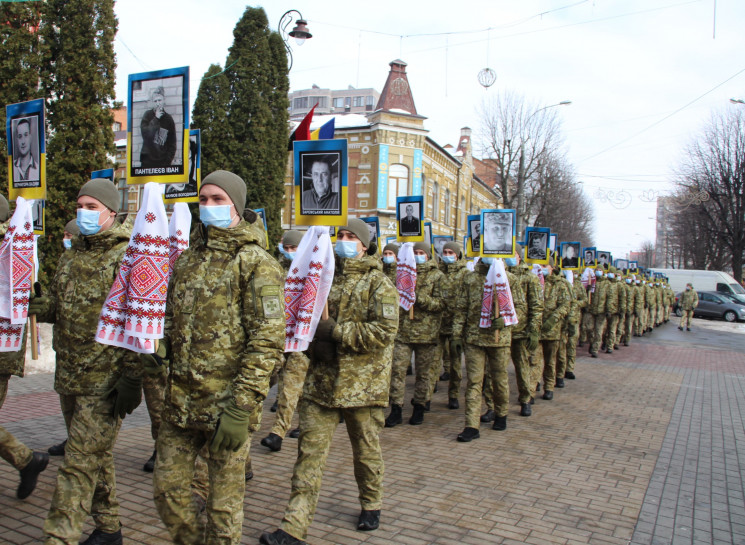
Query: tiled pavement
x=646, y=447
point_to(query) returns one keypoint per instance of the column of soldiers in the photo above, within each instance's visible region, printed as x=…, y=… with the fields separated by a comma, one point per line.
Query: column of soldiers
x=224, y=339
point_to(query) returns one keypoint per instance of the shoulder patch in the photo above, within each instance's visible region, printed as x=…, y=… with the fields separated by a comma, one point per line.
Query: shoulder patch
x=269, y=290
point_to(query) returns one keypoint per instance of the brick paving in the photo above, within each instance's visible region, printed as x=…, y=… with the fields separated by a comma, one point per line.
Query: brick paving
x=645, y=447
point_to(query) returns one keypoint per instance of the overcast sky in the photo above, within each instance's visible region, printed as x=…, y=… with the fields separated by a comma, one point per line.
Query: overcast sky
x=643, y=75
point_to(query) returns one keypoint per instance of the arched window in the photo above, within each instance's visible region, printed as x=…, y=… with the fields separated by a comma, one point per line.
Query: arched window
x=398, y=183
x=447, y=207
x=435, y=201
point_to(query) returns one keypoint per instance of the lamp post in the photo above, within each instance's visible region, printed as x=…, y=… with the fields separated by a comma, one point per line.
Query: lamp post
x=521, y=170
x=300, y=32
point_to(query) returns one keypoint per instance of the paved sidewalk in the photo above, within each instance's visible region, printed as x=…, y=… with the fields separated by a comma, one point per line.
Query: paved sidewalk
x=646, y=447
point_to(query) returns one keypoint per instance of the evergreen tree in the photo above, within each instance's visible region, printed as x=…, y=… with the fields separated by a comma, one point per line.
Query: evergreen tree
x=210, y=115
x=19, y=64
x=77, y=74
x=257, y=113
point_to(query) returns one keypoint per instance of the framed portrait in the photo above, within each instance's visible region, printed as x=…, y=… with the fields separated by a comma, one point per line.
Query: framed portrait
x=409, y=218
x=189, y=191
x=588, y=257
x=552, y=242
x=474, y=235
x=373, y=225
x=158, y=126
x=603, y=258
x=428, y=232
x=38, y=209
x=570, y=256
x=106, y=174
x=332, y=233
x=388, y=240
x=536, y=245
x=621, y=264
x=634, y=266
x=26, y=138
x=320, y=171
x=498, y=233
x=438, y=243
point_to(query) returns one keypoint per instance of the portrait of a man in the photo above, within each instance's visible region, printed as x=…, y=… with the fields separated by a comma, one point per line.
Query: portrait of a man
x=158, y=132
x=439, y=243
x=570, y=255
x=320, y=183
x=475, y=230
x=603, y=259
x=497, y=233
x=37, y=215
x=537, y=245
x=190, y=189
x=25, y=152
x=411, y=225
x=589, y=257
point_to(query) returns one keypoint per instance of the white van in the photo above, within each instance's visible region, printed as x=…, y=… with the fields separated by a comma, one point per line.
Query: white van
x=701, y=280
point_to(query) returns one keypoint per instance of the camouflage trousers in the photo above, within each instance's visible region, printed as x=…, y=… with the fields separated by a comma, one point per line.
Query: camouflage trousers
x=550, y=351
x=666, y=311
x=620, y=328
x=479, y=361
x=11, y=449
x=289, y=389
x=651, y=317
x=628, y=329
x=154, y=388
x=453, y=364
x=86, y=481
x=425, y=358
x=200, y=486
x=567, y=351
x=660, y=314
x=536, y=368
x=640, y=324
x=610, y=332
x=685, y=319
x=521, y=361
x=587, y=323
x=597, y=332
x=172, y=487
x=317, y=425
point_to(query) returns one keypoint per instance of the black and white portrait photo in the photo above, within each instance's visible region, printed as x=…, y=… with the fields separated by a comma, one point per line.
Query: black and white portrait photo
x=497, y=232
x=25, y=134
x=603, y=258
x=474, y=231
x=410, y=224
x=570, y=255
x=439, y=243
x=372, y=227
x=588, y=257
x=428, y=233
x=37, y=215
x=320, y=189
x=188, y=190
x=537, y=245
x=622, y=264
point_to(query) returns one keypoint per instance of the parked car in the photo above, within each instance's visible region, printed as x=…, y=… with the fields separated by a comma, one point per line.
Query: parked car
x=713, y=304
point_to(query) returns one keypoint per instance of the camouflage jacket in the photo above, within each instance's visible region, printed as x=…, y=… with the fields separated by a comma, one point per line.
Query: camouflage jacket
x=557, y=301
x=579, y=301
x=611, y=298
x=622, y=295
x=364, y=304
x=12, y=363
x=649, y=296
x=84, y=277
x=669, y=296
x=528, y=304
x=454, y=274
x=468, y=311
x=639, y=299
x=630, y=298
x=226, y=324
x=598, y=299
x=688, y=300
x=425, y=327
x=390, y=272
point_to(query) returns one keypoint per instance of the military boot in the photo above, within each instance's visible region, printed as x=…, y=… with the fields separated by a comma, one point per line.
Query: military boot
x=548, y=395
x=453, y=403
x=525, y=409
x=368, y=520
x=59, y=449
x=468, y=434
x=570, y=375
x=273, y=442
x=30, y=474
x=418, y=416
x=279, y=537
x=488, y=416
x=98, y=537
x=500, y=423
x=395, y=418
x=150, y=464
x=559, y=382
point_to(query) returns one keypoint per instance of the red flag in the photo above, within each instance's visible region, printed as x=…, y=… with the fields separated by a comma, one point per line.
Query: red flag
x=303, y=130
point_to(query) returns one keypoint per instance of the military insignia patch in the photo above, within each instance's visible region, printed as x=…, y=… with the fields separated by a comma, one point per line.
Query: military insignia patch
x=389, y=311
x=272, y=308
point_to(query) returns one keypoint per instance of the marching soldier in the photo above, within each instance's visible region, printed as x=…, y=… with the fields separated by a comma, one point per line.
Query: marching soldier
x=611, y=311
x=568, y=348
x=598, y=310
x=688, y=302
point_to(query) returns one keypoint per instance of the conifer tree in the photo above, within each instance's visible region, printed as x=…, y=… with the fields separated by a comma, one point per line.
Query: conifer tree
x=77, y=75
x=210, y=115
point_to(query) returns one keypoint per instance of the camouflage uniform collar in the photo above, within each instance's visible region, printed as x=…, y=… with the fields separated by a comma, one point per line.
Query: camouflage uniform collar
x=359, y=265
x=552, y=278
x=227, y=239
x=103, y=239
x=426, y=266
x=450, y=268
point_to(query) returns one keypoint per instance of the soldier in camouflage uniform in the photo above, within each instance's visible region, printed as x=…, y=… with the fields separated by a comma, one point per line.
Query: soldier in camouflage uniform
x=224, y=334
x=454, y=269
x=557, y=301
x=28, y=463
x=622, y=305
x=669, y=300
x=611, y=311
x=567, y=355
x=639, y=307
x=628, y=327
x=688, y=302
x=420, y=336
x=98, y=384
x=598, y=304
x=348, y=376
x=292, y=374
x=389, y=257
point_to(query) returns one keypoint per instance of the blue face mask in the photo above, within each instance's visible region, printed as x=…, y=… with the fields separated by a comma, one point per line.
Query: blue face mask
x=389, y=259
x=288, y=255
x=544, y=272
x=449, y=259
x=420, y=259
x=510, y=261
x=598, y=274
x=487, y=260
x=87, y=221
x=67, y=243
x=218, y=216
x=611, y=276
x=628, y=280
x=346, y=248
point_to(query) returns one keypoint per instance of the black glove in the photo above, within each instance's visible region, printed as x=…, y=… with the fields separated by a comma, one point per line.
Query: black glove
x=456, y=347
x=127, y=395
x=325, y=330
x=324, y=351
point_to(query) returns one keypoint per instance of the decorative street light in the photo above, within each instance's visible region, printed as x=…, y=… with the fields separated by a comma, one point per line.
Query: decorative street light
x=300, y=32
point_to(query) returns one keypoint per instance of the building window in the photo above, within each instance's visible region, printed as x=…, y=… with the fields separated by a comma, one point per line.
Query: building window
x=358, y=102
x=300, y=103
x=398, y=183
x=322, y=102
x=435, y=201
x=347, y=102
x=447, y=207
x=339, y=102
x=462, y=212
x=117, y=126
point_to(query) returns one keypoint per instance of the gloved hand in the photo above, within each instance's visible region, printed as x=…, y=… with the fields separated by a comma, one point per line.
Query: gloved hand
x=127, y=395
x=325, y=330
x=38, y=305
x=324, y=351
x=456, y=347
x=498, y=324
x=533, y=340
x=548, y=323
x=232, y=429
x=157, y=363
x=572, y=329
